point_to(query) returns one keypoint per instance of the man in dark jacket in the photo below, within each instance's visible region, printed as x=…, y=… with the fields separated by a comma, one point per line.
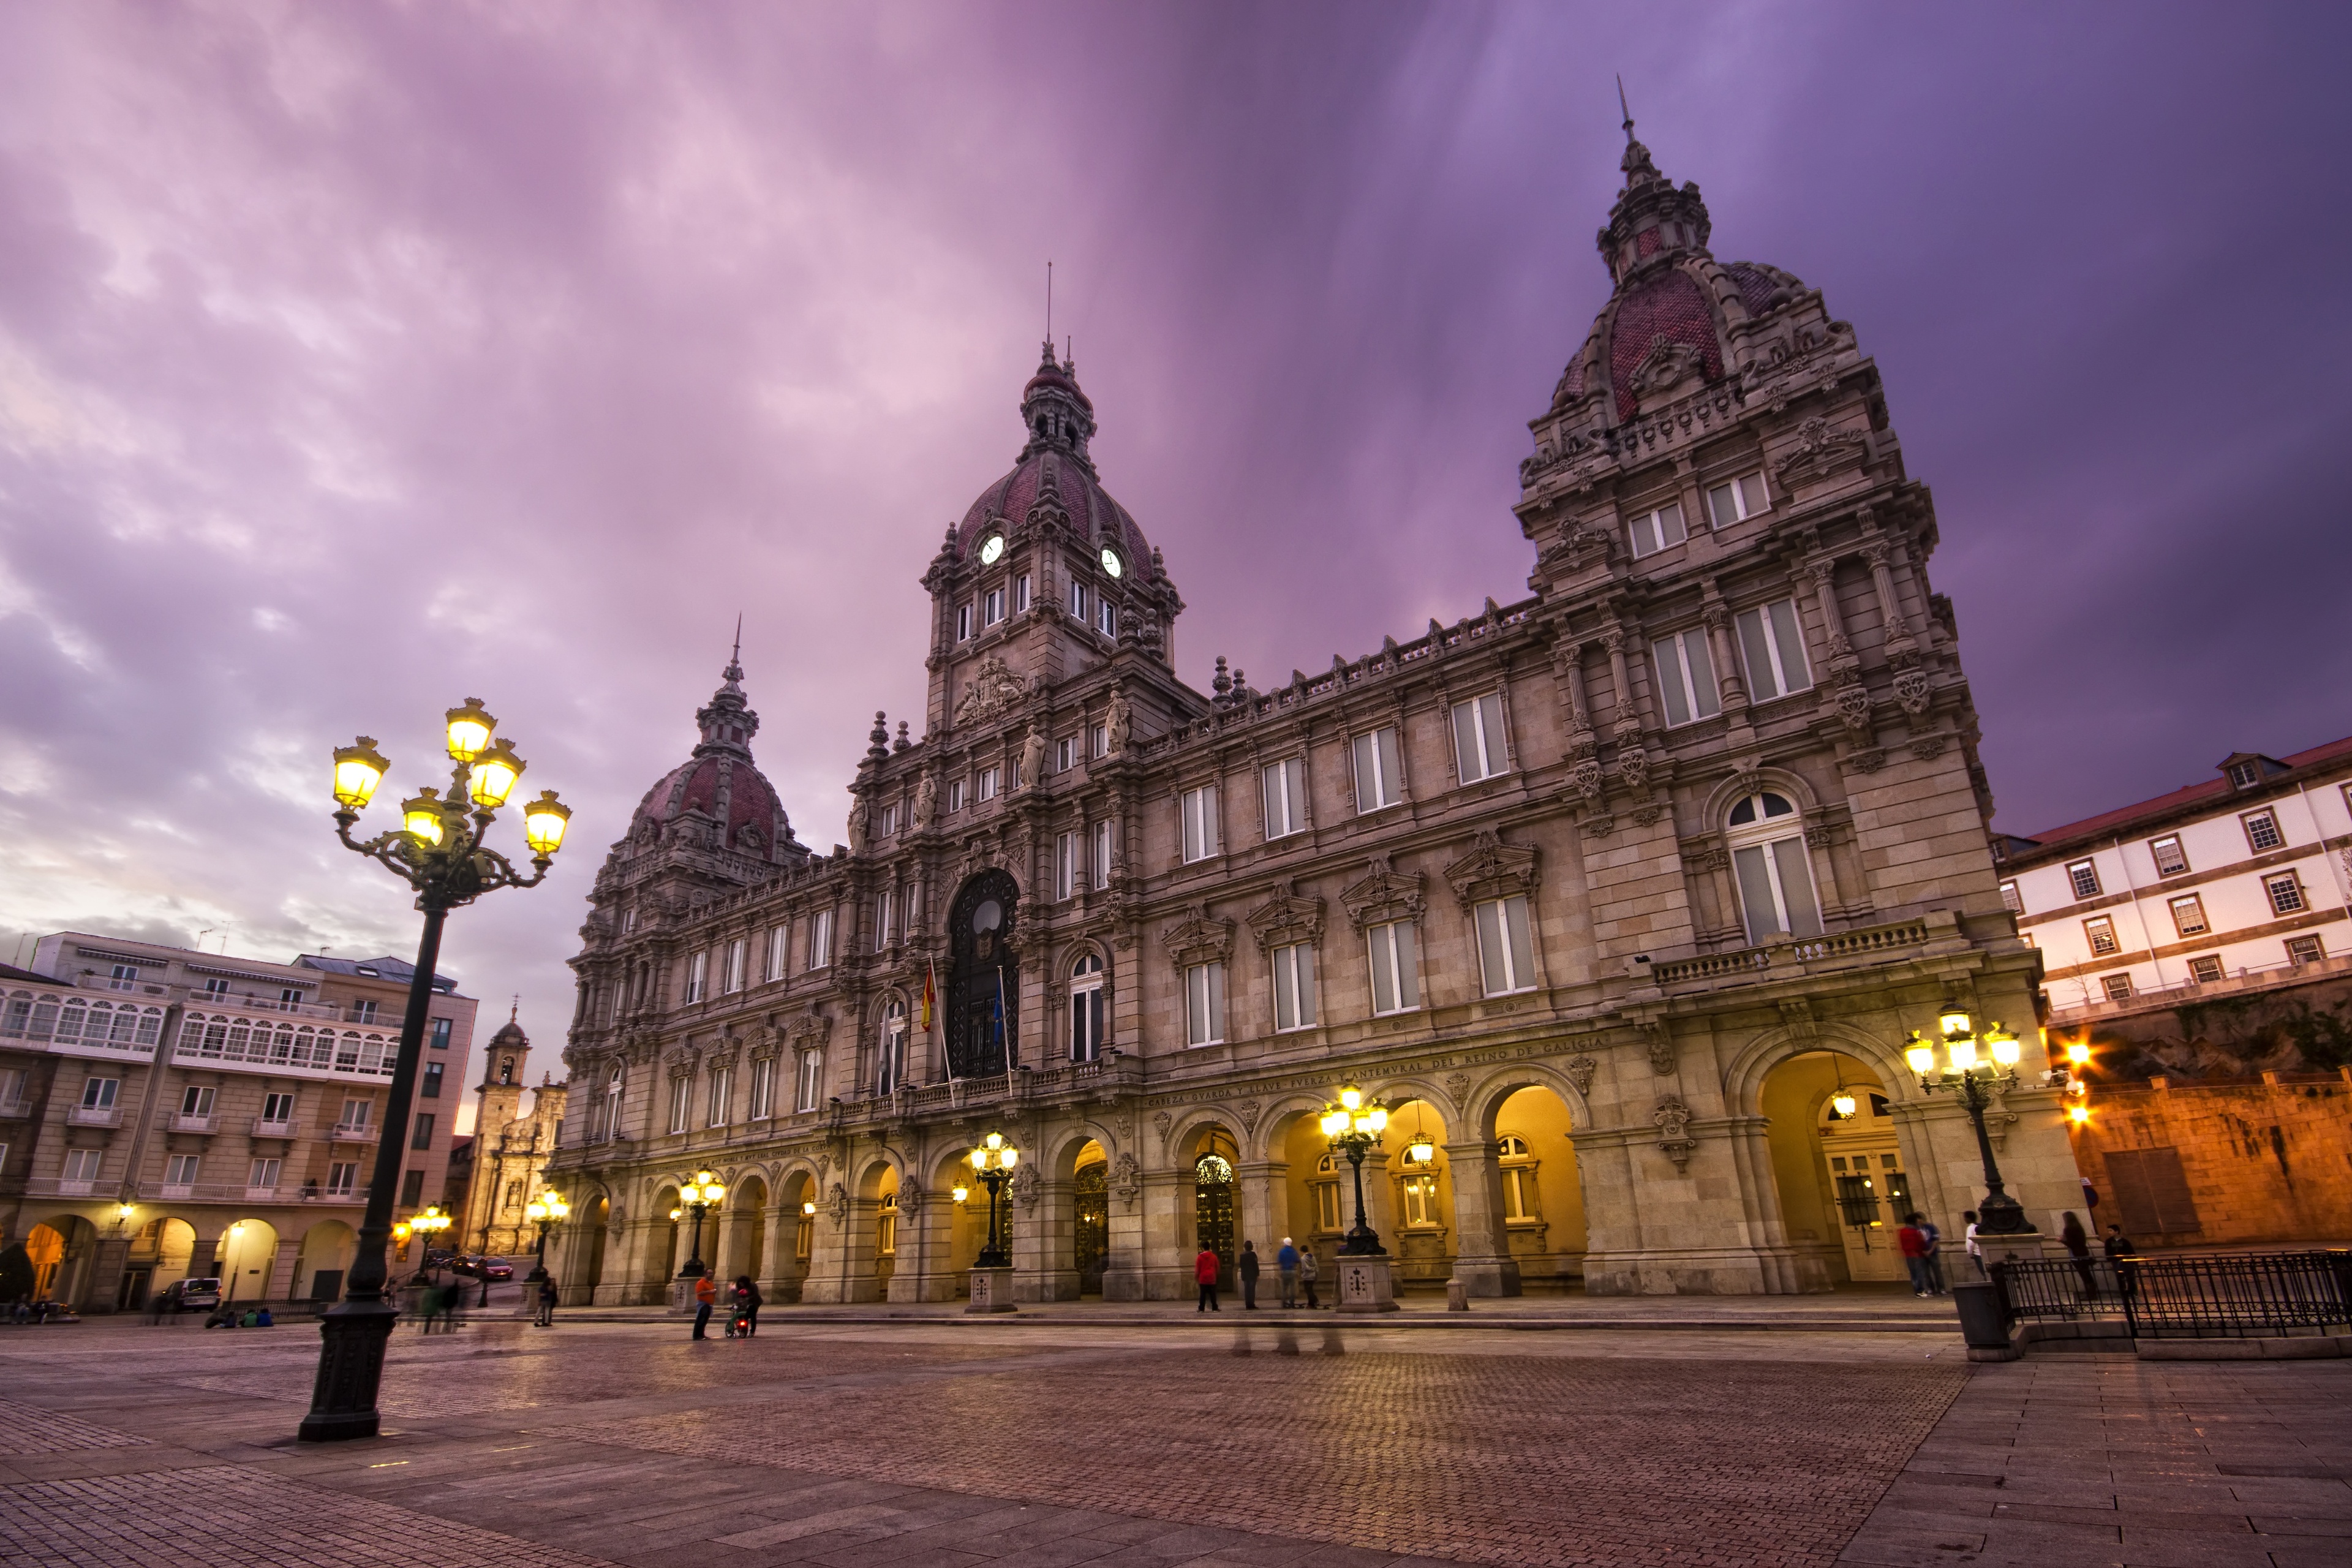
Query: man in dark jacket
x=1248, y=1271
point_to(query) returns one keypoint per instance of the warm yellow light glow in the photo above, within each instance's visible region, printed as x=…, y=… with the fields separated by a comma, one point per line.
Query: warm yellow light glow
x=1420, y=1152
x=808, y=1209
x=994, y=1140
x=1843, y=1103
x=1351, y=1096
x=1920, y=1054
x=494, y=772
x=1953, y=1021
x=980, y=1159
x=469, y=731
x=2078, y=1087
x=2079, y=1054
x=359, y=768
x=124, y=1211
x=553, y=1201
x=534, y=1211
x=1376, y=1120
x=400, y=1232
x=237, y=1230
x=2004, y=1045
x=544, y=822
x=960, y=1191
x=1963, y=1052
x=2078, y=1114
x=1334, y=1124
x=1008, y=1157
x=421, y=815
x=677, y=1215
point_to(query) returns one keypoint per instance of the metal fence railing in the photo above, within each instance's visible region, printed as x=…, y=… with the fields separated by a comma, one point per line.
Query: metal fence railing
x=2196, y=1294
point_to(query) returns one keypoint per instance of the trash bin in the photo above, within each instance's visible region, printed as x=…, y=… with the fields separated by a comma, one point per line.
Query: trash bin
x=1983, y=1324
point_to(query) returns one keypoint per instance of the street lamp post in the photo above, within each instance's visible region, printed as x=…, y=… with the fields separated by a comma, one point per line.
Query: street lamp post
x=993, y=1161
x=426, y=1224
x=697, y=1195
x=1354, y=1124
x=437, y=850
x=547, y=1209
x=1970, y=1075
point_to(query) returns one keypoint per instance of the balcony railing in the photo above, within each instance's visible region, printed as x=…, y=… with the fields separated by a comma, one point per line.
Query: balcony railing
x=73, y=1187
x=67, y=1020
x=176, y=1190
x=182, y=1122
x=260, y=1194
x=351, y=1132
x=13, y=1108
x=271, y=1004
x=265, y=1127
x=2090, y=1006
x=1791, y=957
x=94, y=1116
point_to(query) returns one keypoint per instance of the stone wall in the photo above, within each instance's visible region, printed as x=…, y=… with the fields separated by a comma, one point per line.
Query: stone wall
x=2268, y=1161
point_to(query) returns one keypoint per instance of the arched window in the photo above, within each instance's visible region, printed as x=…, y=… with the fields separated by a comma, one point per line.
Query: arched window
x=1768, y=857
x=1519, y=1200
x=1328, y=1216
x=886, y=1227
x=890, y=1069
x=607, y=1114
x=1086, y=1003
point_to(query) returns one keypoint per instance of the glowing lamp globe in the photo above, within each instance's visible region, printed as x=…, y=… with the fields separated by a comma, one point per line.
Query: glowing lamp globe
x=1963, y=1052
x=544, y=822
x=808, y=1209
x=980, y=1159
x=1843, y=1103
x=2079, y=1054
x=995, y=1141
x=1351, y=1096
x=496, y=769
x=1953, y=1021
x=1334, y=1124
x=2004, y=1045
x=420, y=816
x=469, y=730
x=534, y=1211
x=1920, y=1054
x=1008, y=1157
x=1421, y=1150
x=359, y=768
x=1376, y=1120
x=960, y=1192
x=2078, y=1114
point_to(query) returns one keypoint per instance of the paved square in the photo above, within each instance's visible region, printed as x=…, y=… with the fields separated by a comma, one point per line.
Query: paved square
x=944, y=1443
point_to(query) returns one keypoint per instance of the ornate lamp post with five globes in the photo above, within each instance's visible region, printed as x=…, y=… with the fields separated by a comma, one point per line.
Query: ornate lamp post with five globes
x=1964, y=1073
x=993, y=1161
x=440, y=851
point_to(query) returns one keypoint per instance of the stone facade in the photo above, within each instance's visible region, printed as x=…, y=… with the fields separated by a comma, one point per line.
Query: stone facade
x=1567, y=881
x=504, y=1166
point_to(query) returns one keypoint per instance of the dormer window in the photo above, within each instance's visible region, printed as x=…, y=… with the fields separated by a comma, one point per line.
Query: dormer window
x=2246, y=776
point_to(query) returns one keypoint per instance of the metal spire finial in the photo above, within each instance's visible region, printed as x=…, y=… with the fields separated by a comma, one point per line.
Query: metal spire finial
x=1622, y=106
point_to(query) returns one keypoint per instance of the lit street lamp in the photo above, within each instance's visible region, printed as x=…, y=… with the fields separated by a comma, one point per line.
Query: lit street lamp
x=1966, y=1073
x=993, y=1161
x=1354, y=1124
x=699, y=1194
x=437, y=850
x=548, y=1208
x=426, y=1224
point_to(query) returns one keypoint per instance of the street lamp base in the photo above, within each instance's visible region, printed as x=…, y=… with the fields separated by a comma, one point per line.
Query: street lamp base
x=991, y=1289
x=1999, y=1214
x=1365, y=1285
x=351, y=1369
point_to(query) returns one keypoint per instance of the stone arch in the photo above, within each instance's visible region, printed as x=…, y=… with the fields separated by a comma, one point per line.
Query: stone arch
x=1185, y=1130
x=1744, y=1074
x=664, y=1238
x=591, y=1227
x=1415, y=1207
x=246, y=1259
x=1070, y=1138
x=791, y=1250
x=1731, y=789
x=742, y=1246
x=1486, y=1096
x=1277, y=1121
x=1840, y=1185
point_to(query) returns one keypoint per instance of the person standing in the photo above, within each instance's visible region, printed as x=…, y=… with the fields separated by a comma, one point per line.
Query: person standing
x=1976, y=1247
x=1934, y=1256
x=1248, y=1271
x=747, y=1301
x=1286, y=1268
x=1205, y=1274
x=2077, y=1243
x=1307, y=1276
x=547, y=1302
x=1913, y=1242
x=705, y=1296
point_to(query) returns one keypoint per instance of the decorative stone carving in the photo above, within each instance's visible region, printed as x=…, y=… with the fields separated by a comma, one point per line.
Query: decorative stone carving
x=1634, y=765
x=1033, y=759
x=1160, y=1122
x=910, y=1198
x=1646, y=815
x=1911, y=690
x=1818, y=835
x=1853, y=703
x=1458, y=1087
x=1285, y=918
x=1600, y=825
x=1584, y=779
x=1197, y=939
x=1118, y=720
x=1025, y=1184
x=1492, y=869
x=927, y=802
x=809, y=1031
x=1661, y=1047
x=1383, y=894
x=1869, y=760
x=1797, y=1017
x=1580, y=1071
x=1125, y=1182
x=989, y=690
x=836, y=1202
x=1927, y=747
x=1674, y=1141
x=1249, y=1110
x=1818, y=450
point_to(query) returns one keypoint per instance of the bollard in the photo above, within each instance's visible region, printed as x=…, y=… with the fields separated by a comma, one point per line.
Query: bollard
x=1457, y=1297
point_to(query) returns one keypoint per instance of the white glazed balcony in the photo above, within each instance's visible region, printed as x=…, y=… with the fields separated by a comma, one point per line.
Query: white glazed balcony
x=265, y=1127
x=182, y=1123
x=94, y=1116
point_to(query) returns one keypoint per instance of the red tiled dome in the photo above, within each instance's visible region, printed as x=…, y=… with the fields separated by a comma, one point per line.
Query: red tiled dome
x=1093, y=513
x=1670, y=305
x=693, y=786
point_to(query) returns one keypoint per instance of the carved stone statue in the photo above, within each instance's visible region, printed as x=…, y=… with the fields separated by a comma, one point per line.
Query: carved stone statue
x=1118, y=720
x=926, y=801
x=857, y=827
x=1033, y=758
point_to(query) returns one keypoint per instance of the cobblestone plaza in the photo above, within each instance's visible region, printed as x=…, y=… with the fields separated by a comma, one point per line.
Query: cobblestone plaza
x=844, y=1443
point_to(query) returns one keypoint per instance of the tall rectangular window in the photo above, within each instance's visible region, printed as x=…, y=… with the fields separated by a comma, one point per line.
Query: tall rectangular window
x=886, y=821
x=180, y=1170
x=697, y=976
x=1284, y=787
x=1506, y=957
x=763, y=1089
x=1379, y=773
x=735, y=955
x=820, y=949
x=1396, y=966
x=2170, y=862
x=1654, y=530
x=1102, y=853
x=2286, y=891
x=963, y=623
x=1069, y=863
x=2189, y=915
x=1774, y=646
x=2082, y=876
x=1198, y=809
x=420, y=1133
x=412, y=1188
x=681, y=1099
x=440, y=1040
x=885, y=930
x=779, y=944
x=1077, y=601
x=1478, y=751
x=81, y=1170
x=2100, y=933
x=1099, y=740
x=262, y=1176
x=2011, y=899
x=1686, y=686
x=197, y=1099
x=125, y=978
x=277, y=1109
x=722, y=1094
x=1776, y=888
x=1294, y=987
x=955, y=795
x=991, y=607
x=1065, y=753
x=342, y=1178
x=808, y=1082
x=1020, y=594
x=2263, y=831
x=99, y=1093
x=1738, y=500
x=430, y=1087
x=988, y=777
x=1204, y=1004
x=1106, y=618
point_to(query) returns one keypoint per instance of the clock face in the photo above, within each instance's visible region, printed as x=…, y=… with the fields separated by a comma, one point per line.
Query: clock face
x=1110, y=561
x=994, y=551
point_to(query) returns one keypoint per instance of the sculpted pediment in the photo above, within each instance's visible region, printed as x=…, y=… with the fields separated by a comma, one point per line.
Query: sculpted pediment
x=1197, y=939
x=1493, y=869
x=989, y=690
x=1383, y=894
x=1285, y=918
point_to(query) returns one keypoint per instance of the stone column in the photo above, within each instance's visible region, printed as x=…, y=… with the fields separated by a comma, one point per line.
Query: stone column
x=1730, y=686
x=1124, y=1275
x=279, y=1285
x=1046, y=1246
x=109, y=1255
x=780, y=1267
x=1262, y=1211
x=1482, y=1250
x=1168, y=1239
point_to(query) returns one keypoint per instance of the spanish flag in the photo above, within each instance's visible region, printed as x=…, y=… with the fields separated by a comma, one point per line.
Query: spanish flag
x=929, y=973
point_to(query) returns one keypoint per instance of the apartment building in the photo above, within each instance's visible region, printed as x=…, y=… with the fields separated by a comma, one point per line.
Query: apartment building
x=166, y=1112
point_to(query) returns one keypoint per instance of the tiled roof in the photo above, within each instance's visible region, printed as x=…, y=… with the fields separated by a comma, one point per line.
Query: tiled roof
x=397, y=970
x=1670, y=306
x=2183, y=799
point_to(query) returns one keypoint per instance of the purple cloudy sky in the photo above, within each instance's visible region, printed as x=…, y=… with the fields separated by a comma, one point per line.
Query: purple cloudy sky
x=357, y=358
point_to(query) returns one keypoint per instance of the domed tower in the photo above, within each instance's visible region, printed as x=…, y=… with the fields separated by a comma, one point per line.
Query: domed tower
x=1047, y=578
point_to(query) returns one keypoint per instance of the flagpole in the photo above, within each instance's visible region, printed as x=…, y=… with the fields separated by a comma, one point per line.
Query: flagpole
x=1004, y=1035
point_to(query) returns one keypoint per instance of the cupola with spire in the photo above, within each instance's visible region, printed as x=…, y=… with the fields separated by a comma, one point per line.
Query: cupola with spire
x=718, y=799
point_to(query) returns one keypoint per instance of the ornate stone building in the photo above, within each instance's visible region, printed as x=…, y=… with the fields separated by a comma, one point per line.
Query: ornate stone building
x=1616, y=891
x=504, y=1165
